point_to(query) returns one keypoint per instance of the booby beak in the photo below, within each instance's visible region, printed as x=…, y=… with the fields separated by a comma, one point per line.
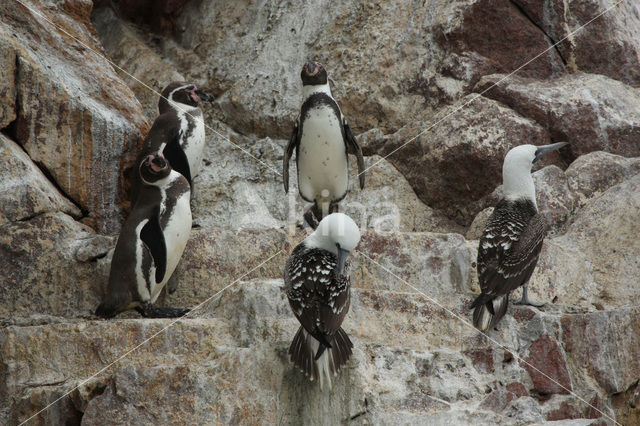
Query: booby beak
x=204, y=96
x=545, y=149
x=342, y=258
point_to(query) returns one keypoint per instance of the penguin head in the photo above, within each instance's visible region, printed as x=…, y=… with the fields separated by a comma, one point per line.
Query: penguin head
x=313, y=74
x=184, y=94
x=336, y=233
x=154, y=168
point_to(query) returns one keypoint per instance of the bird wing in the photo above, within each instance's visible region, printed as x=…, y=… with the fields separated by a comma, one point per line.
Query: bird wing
x=319, y=299
x=294, y=141
x=177, y=158
x=153, y=237
x=507, y=254
x=354, y=148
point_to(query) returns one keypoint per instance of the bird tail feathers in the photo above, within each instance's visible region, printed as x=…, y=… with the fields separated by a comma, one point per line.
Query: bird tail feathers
x=303, y=351
x=488, y=314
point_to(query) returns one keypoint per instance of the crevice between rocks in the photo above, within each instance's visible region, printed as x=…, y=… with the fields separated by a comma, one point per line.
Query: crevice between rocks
x=45, y=171
x=553, y=42
x=11, y=132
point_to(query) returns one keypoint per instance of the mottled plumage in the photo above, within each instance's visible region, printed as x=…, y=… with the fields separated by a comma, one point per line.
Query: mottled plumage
x=512, y=239
x=507, y=255
x=318, y=287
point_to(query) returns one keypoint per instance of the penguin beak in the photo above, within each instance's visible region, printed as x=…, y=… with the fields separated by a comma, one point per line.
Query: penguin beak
x=342, y=258
x=545, y=149
x=158, y=163
x=204, y=96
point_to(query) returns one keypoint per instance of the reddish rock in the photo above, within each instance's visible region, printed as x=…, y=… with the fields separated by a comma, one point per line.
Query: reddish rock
x=607, y=345
x=591, y=112
x=586, y=38
x=565, y=411
x=518, y=389
x=503, y=36
x=482, y=359
x=457, y=163
x=544, y=363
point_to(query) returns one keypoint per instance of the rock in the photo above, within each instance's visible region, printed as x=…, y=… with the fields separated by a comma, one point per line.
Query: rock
x=236, y=191
x=40, y=270
x=595, y=262
x=7, y=85
x=555, y=200
x=25, y=190
x=157, y=16
x=140, y=67
x=591, y=112
x=547, y=367
x=587, y=32
x=184, y=368
x=611, y=348
x=479, y=223
x=74, y=116
x=501, y=36
x=477, y=136
x=592, y=174
x=434, y=263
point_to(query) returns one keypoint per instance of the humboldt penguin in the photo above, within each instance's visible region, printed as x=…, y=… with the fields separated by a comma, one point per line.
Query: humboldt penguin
x=512, y=239
x=317, y=284
x=321, y=139
x=151, y=242
x=178, y=132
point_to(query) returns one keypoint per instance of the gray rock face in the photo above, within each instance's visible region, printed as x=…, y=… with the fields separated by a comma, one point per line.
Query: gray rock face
x=25, y=191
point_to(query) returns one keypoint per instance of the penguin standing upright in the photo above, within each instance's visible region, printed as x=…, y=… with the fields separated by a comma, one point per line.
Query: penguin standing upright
x=321, y=139
x=178, y=132
x=512, y=239
x=317, y=284
x=151, y=242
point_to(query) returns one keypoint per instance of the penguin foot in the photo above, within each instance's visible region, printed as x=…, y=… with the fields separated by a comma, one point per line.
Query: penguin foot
x=195, y=225
x=309, y=217
x=147, y=310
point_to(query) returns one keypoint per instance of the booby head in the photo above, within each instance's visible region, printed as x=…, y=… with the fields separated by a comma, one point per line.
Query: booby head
x=313, y=74
x=154, y=168
x=181, y=94
x=516, y=170
x=336, y=233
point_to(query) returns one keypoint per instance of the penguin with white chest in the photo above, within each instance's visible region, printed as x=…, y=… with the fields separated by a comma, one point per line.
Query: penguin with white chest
x=318, y=286
x=151, y=242
x=178, y=132
x=321, y=139
x=512, y=239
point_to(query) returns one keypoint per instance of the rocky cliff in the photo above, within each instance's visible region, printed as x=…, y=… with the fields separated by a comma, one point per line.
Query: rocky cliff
x=428, y=87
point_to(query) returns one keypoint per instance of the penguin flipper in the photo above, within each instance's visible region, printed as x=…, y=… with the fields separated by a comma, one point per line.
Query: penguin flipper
x=177, y=158
x=153, y=237
x=293, y=143
x=354, y=148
